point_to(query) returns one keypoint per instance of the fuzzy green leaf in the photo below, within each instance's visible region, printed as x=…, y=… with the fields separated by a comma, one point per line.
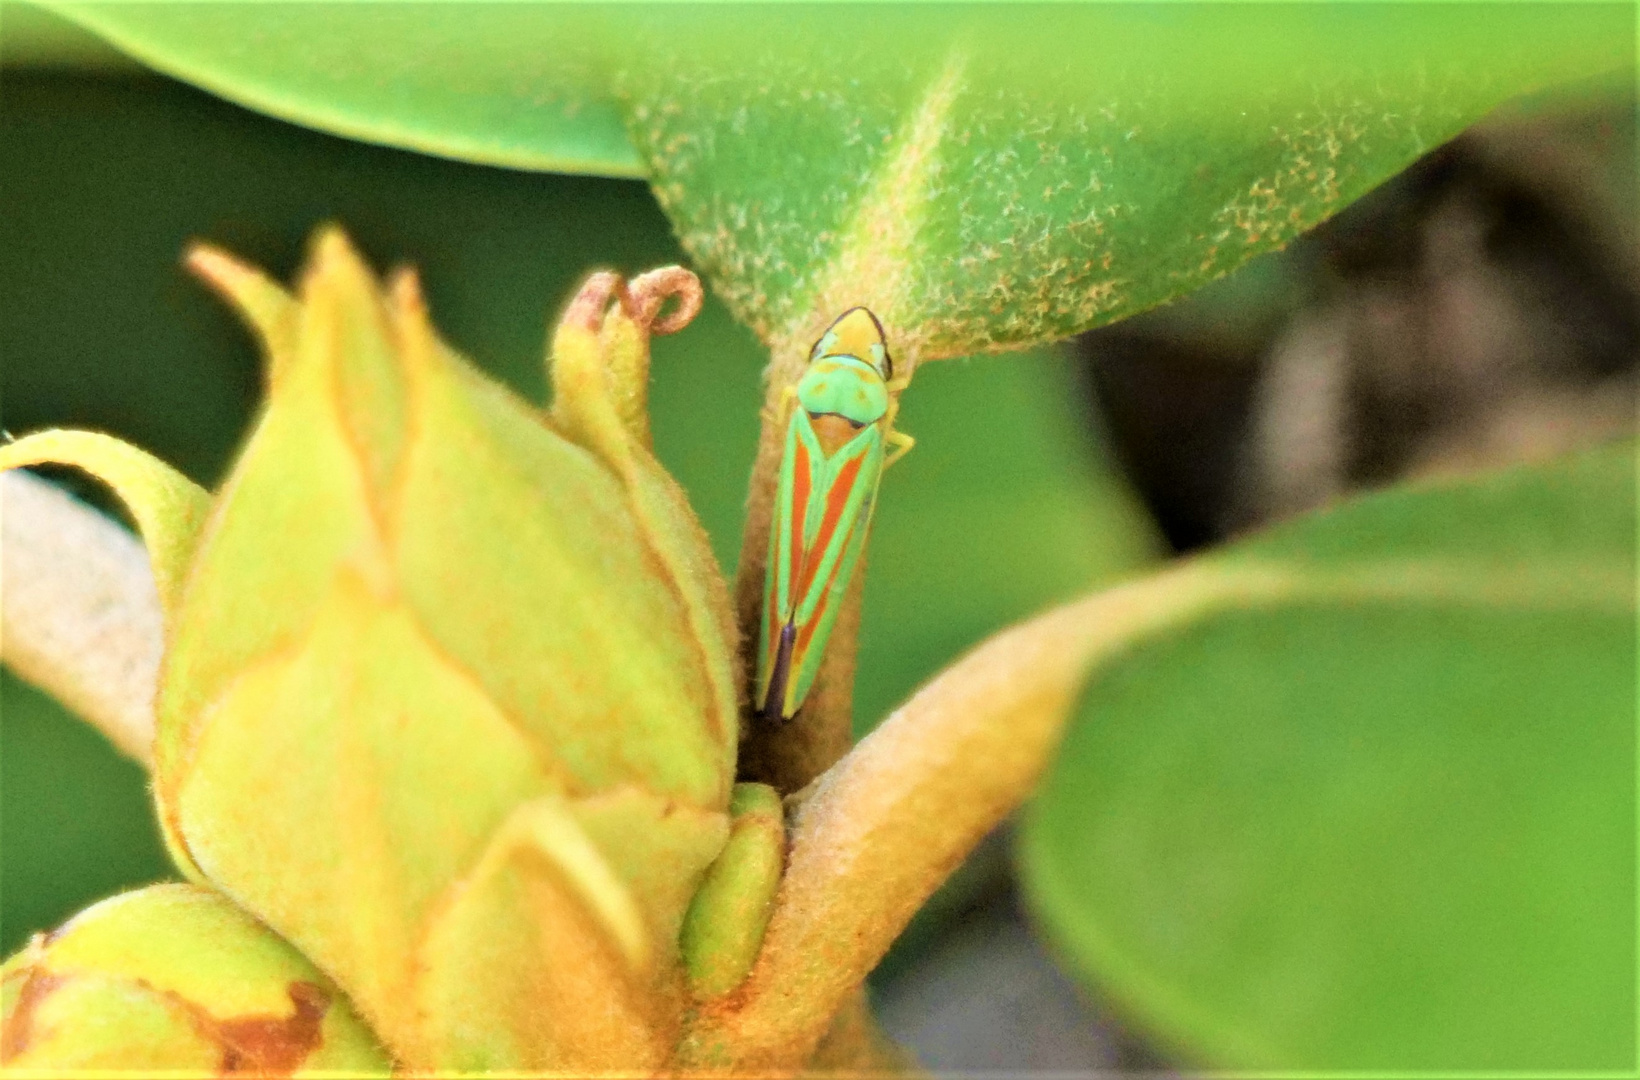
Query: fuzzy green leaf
x=981, y=177
x=1383, y=820
x=993, y=177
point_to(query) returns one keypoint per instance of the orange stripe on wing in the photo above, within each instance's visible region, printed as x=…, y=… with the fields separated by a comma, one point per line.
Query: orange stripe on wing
x=801, y=479
x=818, y=618
x=836, y=503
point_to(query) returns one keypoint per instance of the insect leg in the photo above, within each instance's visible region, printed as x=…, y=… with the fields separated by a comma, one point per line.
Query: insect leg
x=899, y=445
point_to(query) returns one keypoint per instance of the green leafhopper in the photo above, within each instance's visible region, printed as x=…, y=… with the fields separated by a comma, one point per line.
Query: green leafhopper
x=839, y=438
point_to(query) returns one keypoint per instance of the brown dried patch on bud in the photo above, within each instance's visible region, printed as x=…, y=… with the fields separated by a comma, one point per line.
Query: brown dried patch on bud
x=175, y=978
x=268, y=1045
x=18, y=1029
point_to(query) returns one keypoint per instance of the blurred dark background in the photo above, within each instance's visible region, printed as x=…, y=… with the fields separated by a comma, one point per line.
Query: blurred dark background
x=1479, y=309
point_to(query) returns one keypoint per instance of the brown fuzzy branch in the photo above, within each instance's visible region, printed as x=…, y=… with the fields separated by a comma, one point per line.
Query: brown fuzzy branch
x=875, y=266
x=876, y=834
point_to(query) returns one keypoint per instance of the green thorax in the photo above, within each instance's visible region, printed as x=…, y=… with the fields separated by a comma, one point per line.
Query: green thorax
x=843, y=386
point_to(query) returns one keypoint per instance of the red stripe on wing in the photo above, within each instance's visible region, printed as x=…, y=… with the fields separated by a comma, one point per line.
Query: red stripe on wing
x=818, y=618
x=801, y=480
x=836, y=502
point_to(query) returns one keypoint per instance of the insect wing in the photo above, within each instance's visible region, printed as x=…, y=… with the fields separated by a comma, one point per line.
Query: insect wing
x=839, y=518
x=802, y=477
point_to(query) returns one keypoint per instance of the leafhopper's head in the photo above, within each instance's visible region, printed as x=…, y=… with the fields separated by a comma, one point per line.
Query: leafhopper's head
x=856, y=333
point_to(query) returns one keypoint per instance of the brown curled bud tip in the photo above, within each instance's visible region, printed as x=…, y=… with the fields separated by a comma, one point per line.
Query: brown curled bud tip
x=651, y=291
x=588, y=308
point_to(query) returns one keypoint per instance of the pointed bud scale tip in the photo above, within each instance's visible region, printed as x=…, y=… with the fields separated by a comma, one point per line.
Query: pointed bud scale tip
x=407, y=308
x=258, y=296
x=404, y=289
x=330, y=244
x=586, y=310
x=335, y=264
x=264, y=305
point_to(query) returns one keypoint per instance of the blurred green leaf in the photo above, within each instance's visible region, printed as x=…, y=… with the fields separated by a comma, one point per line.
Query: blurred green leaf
x=35, y=38
x=501, y=84
x=983, y=177
x=991, y=176
x=1386, y=823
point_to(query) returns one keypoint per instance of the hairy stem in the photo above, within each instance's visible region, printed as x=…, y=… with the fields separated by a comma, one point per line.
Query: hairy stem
x=874, y=264
x=79, y=614
x=878, y=832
